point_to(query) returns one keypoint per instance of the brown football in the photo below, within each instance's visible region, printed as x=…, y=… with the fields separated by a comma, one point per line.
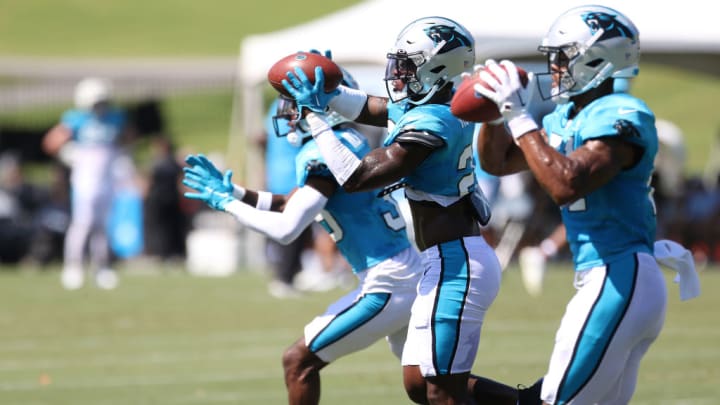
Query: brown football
x=470, y=106
x=307, y=61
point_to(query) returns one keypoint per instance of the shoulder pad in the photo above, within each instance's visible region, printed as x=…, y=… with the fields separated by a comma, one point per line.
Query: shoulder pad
x=423, y=138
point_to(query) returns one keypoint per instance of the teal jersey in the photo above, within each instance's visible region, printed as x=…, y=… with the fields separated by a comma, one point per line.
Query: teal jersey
x=619, y=217
x=279, y=156
x=366, y=228
x=90, y=129
x=449, y=169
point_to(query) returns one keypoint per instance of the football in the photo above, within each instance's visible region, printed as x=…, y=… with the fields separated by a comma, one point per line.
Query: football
x=307, y=61
x=470, y=106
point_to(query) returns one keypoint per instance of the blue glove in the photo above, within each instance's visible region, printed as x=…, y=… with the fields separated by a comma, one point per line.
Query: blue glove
x=202, y=170
x=215, y=193
x=327, y=54
x=306, y=94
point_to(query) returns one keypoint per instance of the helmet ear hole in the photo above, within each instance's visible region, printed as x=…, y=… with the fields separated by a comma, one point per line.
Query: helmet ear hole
x=594, y=63
x=438, y=69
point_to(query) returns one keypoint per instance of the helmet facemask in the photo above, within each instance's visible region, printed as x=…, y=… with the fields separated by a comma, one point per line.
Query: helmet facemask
x=401, y=78
x=287, y=122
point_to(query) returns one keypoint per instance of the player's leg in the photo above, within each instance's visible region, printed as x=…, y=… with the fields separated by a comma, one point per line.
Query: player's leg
x=460, y=282
x=349, y=325
x=76, y=239
x=378, y=308
x=624, y=388
x=99, y=243
x=302, y=374
x=614, y=380
x=486, y=391
x=530, y=395
x=617, y=308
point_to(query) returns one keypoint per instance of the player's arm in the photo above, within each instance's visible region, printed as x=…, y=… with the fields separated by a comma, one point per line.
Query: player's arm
x=56, y=138
x=497, y=152
x=355, y=104
x=380, y=167
x=284, y=226
x=360, y=107
x=567, y=178
x=282, y=218
x=387, y=165
x=58, y=142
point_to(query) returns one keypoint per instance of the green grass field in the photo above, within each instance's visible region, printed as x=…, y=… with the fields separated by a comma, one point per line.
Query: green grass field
x=169, y=338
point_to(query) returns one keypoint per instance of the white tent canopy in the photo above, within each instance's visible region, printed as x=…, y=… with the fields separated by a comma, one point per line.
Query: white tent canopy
x=360, y=36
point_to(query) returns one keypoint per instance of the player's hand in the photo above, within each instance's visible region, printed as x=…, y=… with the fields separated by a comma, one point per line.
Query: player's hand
x=212, y=187
x=512, y=98
x=306, y=94
x=202, y=170
x=327, y=54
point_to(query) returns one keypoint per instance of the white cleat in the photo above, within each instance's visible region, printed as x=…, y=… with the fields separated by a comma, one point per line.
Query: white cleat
x=72, y=278
x=106, y=279
x=532, y=268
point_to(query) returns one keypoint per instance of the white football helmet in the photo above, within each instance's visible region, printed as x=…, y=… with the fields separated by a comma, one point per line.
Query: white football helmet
x=91, y=91
x=287, y=121
x=590, y=44
x=428, y=53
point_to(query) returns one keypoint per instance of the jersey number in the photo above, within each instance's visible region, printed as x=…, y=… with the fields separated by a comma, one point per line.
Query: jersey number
x=580, y=205
x=465, y=160
x=392, y=219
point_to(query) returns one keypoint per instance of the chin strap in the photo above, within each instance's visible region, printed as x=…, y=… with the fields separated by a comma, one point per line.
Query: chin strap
x=427, y=97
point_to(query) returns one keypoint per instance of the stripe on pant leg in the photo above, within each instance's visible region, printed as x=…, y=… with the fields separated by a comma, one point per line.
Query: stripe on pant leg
x=449, y=304
x=353, y=317
x=600, y=326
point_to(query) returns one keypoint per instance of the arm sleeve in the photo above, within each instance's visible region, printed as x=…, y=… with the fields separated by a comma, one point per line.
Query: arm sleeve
x=284, y=227
x=341, y=161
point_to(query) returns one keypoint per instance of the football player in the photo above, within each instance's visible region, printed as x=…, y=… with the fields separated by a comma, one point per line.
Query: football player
x=368, y=230
x=87, y=140
x=428, y=152
x=594, y=156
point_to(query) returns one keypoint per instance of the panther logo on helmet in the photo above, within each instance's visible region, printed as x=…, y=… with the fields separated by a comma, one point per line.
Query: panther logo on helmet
x=447, y=34
x=608, y=23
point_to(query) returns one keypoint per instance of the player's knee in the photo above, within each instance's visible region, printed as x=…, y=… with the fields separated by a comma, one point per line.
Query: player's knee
x=292, y=358
x=415, y=385
x=299, y=360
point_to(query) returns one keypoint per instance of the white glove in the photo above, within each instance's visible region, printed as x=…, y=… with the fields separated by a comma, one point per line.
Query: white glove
x=510, y=96
x=476, y=69
x=676, y=257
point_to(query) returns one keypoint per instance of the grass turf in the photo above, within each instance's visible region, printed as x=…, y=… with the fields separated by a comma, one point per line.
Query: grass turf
x=165, y=337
